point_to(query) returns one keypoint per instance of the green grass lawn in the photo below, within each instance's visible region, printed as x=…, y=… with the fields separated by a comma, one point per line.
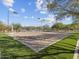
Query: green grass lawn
x=12, y=49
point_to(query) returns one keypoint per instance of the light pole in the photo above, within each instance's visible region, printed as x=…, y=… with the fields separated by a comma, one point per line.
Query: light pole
x=8, y=15
x=8, y=4
x=8, y=18
x=12, y=27
x=41, y=20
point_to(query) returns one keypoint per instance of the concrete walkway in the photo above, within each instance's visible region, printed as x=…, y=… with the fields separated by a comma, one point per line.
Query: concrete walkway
x=76, y=54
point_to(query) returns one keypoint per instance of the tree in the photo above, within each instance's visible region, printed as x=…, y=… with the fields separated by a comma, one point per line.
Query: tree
x=62, y=8
x=2, y=27
x=16, y=26
x=70, y=8
x=47, y=28
x=58, y=26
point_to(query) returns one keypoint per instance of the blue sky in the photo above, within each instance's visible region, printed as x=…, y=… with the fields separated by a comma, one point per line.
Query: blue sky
x=28, y=12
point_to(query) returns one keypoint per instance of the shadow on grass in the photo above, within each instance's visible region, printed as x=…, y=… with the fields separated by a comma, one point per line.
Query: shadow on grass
x=44, y=53
x=50, y=52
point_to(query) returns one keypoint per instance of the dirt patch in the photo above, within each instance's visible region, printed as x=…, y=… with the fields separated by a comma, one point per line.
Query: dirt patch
x=38, y=40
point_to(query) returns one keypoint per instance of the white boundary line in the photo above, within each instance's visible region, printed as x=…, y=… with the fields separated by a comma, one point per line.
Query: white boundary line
x=0, y=55
x=37, y=51
x=76, y=51
x=53, y=43
x=25, y=44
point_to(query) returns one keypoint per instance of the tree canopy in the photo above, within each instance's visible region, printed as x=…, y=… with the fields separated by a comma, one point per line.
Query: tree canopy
x=62, y=8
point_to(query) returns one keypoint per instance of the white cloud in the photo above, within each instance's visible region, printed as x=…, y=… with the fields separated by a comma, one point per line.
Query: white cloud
x=50, y=19
x=41, y=4
x=43, y=12
x=8, y=3
x=23, y=10
x=32, y=17
x=11, y=9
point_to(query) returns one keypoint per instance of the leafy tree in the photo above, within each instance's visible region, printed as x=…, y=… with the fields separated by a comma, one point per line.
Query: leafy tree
x=62, y=8
x=2, y=27
x=69, y=27
x=47, y=28
x=16, y=26
x=58, y=26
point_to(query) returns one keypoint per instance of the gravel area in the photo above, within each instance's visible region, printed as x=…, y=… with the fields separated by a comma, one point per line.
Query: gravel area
x=38, y=40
